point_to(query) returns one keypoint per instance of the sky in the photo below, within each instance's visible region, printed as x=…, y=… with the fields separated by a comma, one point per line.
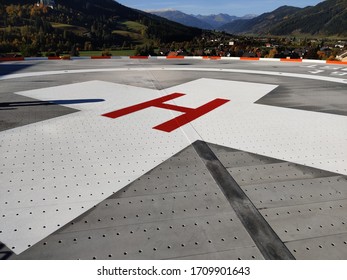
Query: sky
x=206, y=7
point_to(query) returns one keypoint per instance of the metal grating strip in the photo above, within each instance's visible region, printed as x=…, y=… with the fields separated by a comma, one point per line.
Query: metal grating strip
x=265, y=238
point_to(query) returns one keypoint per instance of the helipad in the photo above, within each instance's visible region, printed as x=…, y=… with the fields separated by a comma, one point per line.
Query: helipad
x=173, y=159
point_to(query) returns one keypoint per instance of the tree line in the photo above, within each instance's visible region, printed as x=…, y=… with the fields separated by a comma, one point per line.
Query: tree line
x=33, y=29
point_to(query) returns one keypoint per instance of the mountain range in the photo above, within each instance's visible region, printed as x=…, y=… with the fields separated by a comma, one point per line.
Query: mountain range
x=218, y=20
x=327, y=18
x=200, y=21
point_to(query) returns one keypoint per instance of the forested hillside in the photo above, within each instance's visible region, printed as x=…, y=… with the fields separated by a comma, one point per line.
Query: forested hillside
x=328, y=18
x=92, y=24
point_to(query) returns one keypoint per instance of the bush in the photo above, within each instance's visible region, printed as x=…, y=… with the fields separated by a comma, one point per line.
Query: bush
x=145, y=50
x=29, y=50
x=5, y=48
x=50, y=54
x=74, y=51
x=106, y=53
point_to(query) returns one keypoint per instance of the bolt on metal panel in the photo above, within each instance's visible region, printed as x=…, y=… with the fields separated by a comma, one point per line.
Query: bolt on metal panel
x=297, y=192
x=171, y=177
x=309, y=220
x=278, y=172
x=158, y=240
x=110, y=153
x=144, y=209
x=332, y=247
x=304, y=206
x=232, y=158
x=192, y=219
x=246, y=253
x=73, y=162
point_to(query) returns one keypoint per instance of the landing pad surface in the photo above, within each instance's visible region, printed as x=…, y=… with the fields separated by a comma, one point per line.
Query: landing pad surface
x=105, y=155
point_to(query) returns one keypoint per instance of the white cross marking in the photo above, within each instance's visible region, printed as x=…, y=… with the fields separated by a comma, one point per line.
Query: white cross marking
x=55, y=170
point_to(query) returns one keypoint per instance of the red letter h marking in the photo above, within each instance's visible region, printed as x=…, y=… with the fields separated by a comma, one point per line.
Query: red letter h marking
x=171, y=125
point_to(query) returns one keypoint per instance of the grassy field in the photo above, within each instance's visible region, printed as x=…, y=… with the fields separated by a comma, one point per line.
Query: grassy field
x=68, y=27
x=132, y=35
x=131, y=31
x=114, y=53
x=134, y=26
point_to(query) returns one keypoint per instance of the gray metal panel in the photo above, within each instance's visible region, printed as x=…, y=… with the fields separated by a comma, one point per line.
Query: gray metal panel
x=138, y=210
x=171, y=177
x=309, y=220
x=333, y=247
x=176, y=211
x=251, y=253
x=156, y=217
x=246, y=253
x=320, y=150
x=159, y=240
x=305, y=206
x=231, y=158
x=298, y=192
x=277, y=172
x=270, y=246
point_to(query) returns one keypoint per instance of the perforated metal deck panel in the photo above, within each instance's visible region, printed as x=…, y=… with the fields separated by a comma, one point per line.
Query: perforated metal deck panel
x=175, y=211
x=308, y=220
x=332, y=247
x=77, y=161
x=306, y=207
x=297, y=192
x=23, y=111
x=53, y=171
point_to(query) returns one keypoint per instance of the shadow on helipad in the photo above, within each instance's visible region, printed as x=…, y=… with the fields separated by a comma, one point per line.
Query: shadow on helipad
x=6, y=68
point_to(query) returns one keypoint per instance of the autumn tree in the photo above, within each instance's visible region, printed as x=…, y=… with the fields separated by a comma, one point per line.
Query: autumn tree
x=272, y=53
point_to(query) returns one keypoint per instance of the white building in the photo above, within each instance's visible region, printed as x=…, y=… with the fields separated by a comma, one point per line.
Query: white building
x=49, y=3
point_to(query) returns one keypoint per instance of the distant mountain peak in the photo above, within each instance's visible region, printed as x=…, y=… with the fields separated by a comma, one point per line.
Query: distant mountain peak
x=182, y=18
x=161, y=10
x=326, y=18
x=213, y=21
